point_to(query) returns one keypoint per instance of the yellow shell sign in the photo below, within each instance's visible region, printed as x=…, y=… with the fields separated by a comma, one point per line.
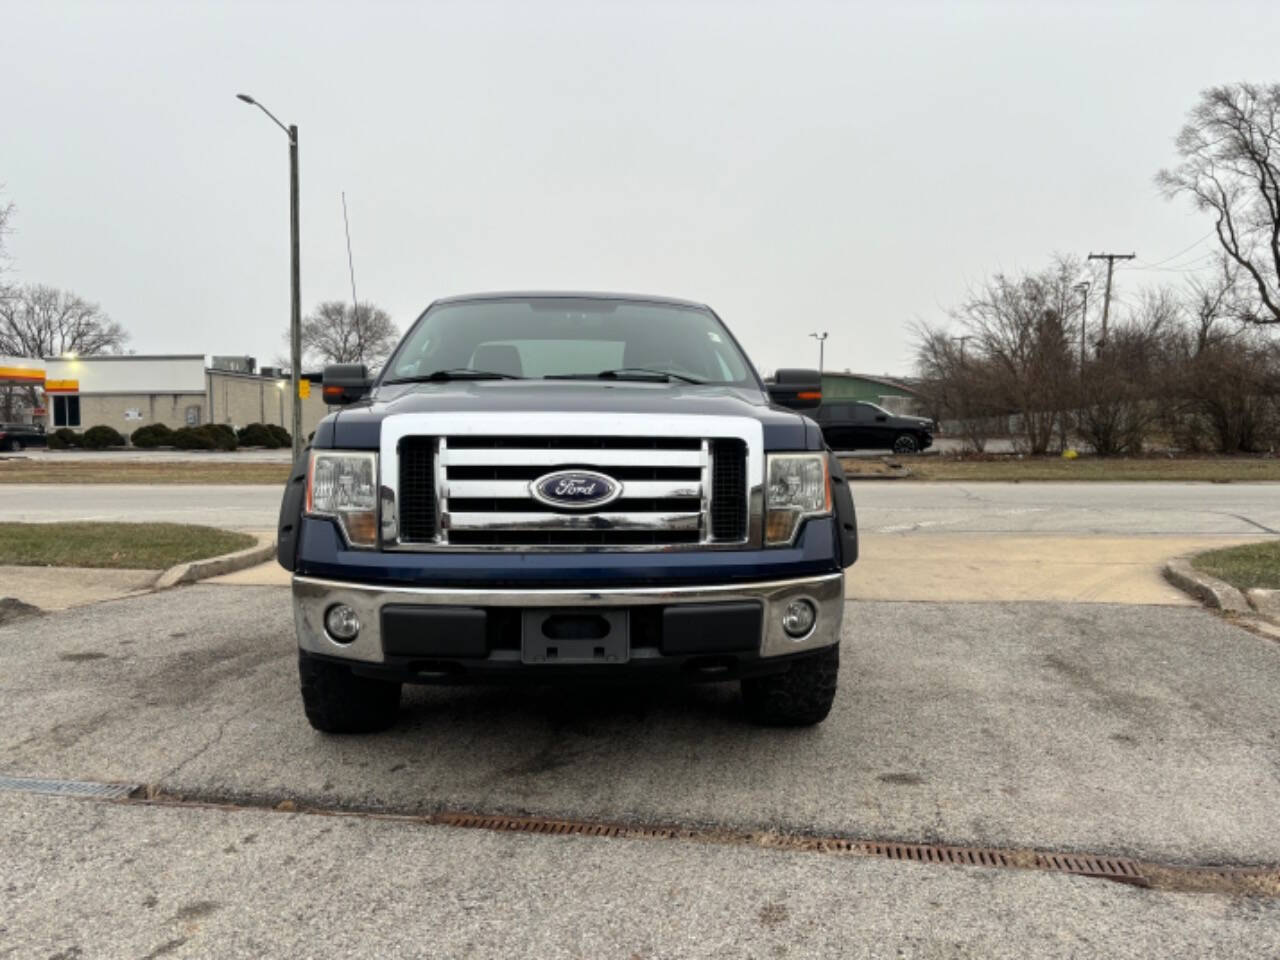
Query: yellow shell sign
x=61, y=386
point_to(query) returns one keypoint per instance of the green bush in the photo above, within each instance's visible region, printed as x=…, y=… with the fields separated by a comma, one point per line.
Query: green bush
x=283, y=439
x=151, y=436
x=223, y=436
x=102, y=436
x=256, y=435
x=193, y=438
x=64, y=438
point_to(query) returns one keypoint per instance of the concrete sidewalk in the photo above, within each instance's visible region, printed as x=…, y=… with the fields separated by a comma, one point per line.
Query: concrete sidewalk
x=59, y=588
x=981, y=567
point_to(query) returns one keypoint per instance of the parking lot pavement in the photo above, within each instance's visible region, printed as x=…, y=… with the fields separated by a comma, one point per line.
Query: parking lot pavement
x=1141, y=731
x=87, y=879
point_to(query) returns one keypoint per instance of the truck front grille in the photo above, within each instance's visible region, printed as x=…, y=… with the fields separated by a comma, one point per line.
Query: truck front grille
x=675, y=491
x=417, y=490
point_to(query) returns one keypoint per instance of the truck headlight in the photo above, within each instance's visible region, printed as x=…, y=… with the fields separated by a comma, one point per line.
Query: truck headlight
x=344, y=485
x=799, y=486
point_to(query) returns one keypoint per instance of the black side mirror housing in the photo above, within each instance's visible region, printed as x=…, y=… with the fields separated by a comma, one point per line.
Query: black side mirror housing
x=797, y=389
x=346, y=383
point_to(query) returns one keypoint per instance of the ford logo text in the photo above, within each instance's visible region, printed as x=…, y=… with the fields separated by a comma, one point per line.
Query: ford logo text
x=575, y=489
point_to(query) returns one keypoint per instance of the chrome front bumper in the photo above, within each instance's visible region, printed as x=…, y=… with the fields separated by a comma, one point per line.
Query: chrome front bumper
x=312, y=597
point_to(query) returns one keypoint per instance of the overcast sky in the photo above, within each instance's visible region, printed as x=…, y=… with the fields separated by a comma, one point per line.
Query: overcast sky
x=842, y=167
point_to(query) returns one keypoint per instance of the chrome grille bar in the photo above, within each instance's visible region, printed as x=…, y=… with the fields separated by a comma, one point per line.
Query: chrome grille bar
x=663, y=465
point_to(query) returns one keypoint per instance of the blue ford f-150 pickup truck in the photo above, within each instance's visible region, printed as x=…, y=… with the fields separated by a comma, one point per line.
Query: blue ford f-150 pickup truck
x=553, y=486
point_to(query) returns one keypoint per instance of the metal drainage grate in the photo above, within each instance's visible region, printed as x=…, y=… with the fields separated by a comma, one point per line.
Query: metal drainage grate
x=1106, y=868
x=68, y=788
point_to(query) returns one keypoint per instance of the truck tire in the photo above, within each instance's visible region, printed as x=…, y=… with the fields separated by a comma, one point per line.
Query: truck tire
x=800, y=697
x=338, y=701
x=906, y=443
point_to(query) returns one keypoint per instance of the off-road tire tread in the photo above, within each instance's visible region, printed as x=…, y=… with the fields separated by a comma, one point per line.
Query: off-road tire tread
x=801, y=697
x=338, y=701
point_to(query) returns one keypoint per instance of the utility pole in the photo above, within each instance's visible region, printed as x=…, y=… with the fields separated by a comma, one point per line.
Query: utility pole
x=295, y=275
x=1111, y=259
x=962, y=339
x=822, y=342
x=1083, y=290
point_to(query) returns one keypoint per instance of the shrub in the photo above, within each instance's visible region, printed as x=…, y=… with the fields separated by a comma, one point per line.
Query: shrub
x=257, y=435
x=65, y=438
x=102, y=436
x=192, y=438
x=223, y=437
x=283, y=439
x=151, y=436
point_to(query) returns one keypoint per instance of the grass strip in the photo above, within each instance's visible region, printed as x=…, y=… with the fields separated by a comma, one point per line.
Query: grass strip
x=1254, y=565
x=1243, y=469
x=125, y=546
x=142, y=472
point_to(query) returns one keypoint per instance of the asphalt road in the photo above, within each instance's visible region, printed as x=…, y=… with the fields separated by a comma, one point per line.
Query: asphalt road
x=1149, y=732
x=883, y=506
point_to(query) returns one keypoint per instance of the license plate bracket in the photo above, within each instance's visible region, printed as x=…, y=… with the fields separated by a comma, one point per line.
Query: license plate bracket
x=574, y=636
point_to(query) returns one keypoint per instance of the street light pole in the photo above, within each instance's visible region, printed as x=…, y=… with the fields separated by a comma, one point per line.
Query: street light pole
x=822, y=342
x=295, y=275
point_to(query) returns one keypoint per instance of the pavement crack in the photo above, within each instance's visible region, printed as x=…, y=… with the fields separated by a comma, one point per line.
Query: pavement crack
x=1243, y=519
x=199, y=751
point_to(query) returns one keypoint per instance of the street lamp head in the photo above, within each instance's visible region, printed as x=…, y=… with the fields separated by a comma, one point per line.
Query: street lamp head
x=246, y=98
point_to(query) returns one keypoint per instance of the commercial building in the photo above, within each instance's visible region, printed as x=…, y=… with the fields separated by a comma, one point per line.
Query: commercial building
x=177, y=390
x=894, y=395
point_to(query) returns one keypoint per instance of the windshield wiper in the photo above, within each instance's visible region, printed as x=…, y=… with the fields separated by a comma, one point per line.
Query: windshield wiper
x=628, y=373
x=455, y=373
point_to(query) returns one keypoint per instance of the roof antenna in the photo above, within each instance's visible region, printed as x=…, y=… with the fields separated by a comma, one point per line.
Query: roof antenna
x=351, y=269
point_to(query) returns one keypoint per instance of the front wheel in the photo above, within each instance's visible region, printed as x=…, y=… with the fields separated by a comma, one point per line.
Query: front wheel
x=906, y=443
x=15, y=446
x=338, y=701
x=800, y=697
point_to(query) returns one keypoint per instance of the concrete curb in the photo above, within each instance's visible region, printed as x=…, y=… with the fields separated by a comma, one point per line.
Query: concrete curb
x=1210, y=591
x=216, y=566
x=1266, y=602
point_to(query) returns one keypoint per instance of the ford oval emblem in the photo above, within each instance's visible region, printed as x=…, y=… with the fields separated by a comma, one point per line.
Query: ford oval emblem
x=575, y=489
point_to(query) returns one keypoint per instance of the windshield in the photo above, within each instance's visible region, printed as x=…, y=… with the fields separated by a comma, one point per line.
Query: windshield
x=570, y=337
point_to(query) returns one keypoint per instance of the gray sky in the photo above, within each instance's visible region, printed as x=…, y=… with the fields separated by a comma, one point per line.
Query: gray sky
x=841, y=167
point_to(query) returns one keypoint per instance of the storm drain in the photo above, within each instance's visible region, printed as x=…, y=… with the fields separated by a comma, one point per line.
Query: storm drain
x=68, y=788
x=1106, y=868
x=1248, y=881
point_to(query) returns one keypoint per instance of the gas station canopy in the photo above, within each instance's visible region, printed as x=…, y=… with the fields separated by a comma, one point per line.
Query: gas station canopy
x=21, y=372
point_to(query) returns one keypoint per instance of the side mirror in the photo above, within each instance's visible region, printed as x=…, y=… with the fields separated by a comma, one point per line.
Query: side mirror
x=797, y=389
x=881, y=418
x=346, y=383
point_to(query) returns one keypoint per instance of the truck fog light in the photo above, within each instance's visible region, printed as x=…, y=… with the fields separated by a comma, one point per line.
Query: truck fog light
x=798, y=618
x=342, y=623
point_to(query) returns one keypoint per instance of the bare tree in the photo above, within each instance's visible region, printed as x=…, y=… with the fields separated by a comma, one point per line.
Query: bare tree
x=1124, y=385
x=1224, y=391
x=38, y=321
x=335, y=332
x=1021, y=330
x=956, y=385
x=1230, y=150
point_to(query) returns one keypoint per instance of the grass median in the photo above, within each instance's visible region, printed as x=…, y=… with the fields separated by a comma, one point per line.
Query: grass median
x=1242, y=469
x=125, y=546
x=142, y=472
x=1254, y=565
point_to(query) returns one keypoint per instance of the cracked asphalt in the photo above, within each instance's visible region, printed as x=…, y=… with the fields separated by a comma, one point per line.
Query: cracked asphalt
x=1143, y=731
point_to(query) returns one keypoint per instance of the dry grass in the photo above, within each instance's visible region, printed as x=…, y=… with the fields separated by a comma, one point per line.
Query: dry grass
x=1246, y=567
x=141, y=471
x=1011, y=469
x=124, y=546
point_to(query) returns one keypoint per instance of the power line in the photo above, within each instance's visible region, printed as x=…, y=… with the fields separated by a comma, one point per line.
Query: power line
x=1143, y=265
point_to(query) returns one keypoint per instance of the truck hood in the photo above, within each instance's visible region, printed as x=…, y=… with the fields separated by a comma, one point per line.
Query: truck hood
x=358, y=426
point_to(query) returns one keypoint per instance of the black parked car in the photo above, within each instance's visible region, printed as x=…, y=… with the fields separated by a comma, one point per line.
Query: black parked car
x=858, y=425
x=19, y=436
